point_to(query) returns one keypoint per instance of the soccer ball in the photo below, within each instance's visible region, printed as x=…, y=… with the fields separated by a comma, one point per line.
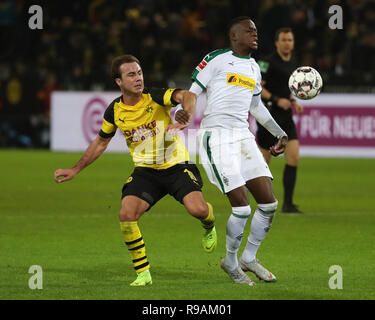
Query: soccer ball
x=305, y=83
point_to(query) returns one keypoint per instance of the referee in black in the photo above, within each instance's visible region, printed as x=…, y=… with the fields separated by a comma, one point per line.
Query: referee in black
x=276, y=69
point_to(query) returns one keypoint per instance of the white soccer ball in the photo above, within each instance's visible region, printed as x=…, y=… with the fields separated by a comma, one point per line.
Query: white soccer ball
x=305, y=83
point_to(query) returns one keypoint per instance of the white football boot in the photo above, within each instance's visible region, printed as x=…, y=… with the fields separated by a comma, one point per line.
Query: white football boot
x=237, y=275
x=261, y=272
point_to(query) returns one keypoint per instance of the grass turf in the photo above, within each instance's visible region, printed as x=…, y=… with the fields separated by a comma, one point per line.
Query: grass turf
x=71, y=230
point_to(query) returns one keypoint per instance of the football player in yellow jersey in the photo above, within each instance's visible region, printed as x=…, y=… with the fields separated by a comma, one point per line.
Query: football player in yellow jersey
x=160, y=159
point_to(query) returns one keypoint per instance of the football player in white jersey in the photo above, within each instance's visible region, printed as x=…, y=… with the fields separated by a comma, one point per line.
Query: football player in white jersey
x=231, y=81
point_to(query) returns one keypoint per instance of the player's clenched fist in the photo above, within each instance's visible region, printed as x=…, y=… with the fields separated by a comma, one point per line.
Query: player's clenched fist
x=279, y=148
x=62, y=175
x=182, y=116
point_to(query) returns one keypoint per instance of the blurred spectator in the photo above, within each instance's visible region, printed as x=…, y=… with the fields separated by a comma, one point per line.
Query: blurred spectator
x=79, y=39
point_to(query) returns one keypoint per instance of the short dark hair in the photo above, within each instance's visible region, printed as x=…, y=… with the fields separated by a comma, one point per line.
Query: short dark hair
x=282, y=30
x=236, y=20
x=118, y=61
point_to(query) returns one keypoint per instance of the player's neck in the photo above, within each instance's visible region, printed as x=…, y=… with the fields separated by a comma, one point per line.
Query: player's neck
x=284, y=56
x=241, y=52
x=131, y=99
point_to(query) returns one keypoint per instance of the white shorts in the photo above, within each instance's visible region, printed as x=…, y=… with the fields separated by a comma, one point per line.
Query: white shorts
x=231, y=157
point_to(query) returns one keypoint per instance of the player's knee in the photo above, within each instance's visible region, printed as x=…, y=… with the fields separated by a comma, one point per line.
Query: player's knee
x=128, y=214
x=293, y=160
x=242, y=212
x=132, y=208
x=268, y=208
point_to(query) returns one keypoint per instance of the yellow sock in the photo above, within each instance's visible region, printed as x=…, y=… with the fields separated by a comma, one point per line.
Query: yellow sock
x=209, y=222
x=136, y=246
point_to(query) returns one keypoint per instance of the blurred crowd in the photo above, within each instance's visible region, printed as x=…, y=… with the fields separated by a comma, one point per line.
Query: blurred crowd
x=74, y=49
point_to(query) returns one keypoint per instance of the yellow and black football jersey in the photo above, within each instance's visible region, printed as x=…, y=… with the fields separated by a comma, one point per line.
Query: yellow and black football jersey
x=143, y=126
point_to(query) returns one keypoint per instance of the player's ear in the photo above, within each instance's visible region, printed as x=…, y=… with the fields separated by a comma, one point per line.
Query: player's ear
x=232, y=35
x=118, y=81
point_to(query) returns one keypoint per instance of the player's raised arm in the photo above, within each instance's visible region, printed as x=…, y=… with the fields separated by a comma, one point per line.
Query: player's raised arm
x=94, y=150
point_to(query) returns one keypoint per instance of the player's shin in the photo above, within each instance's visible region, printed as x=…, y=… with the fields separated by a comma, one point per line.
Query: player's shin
x=260, y=225
x=136, y=246
x=235, y=226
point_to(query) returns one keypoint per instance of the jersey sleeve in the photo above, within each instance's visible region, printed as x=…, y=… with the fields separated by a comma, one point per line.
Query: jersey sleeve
x=109, y=127
x=196, y=89
x=162, y=96
x=263, y=116
x=204, y=72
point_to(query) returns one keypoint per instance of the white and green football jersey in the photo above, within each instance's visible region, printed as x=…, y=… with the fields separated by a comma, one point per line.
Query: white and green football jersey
x=230, y=82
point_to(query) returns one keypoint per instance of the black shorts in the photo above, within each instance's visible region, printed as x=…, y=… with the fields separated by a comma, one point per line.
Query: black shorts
x=151, y=185
x=267, y=140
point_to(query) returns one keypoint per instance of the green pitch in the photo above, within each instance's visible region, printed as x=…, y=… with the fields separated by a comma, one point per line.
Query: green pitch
x=71, y=230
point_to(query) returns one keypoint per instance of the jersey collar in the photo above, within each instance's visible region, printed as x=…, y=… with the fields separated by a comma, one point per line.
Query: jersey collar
x=139, y=103
x=242, y=57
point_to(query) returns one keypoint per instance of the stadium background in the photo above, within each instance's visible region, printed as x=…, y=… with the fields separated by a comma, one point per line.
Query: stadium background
x=79, y=39
x=71, y=230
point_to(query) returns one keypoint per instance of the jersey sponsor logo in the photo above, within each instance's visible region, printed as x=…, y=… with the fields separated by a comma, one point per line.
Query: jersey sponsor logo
x=142, y=132
x=232, y=79
x=238, y=80
x=202, y=65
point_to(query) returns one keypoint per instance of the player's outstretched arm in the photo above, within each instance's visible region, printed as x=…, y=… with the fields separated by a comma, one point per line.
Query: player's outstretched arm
x=263, y=116
x=94, y=150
